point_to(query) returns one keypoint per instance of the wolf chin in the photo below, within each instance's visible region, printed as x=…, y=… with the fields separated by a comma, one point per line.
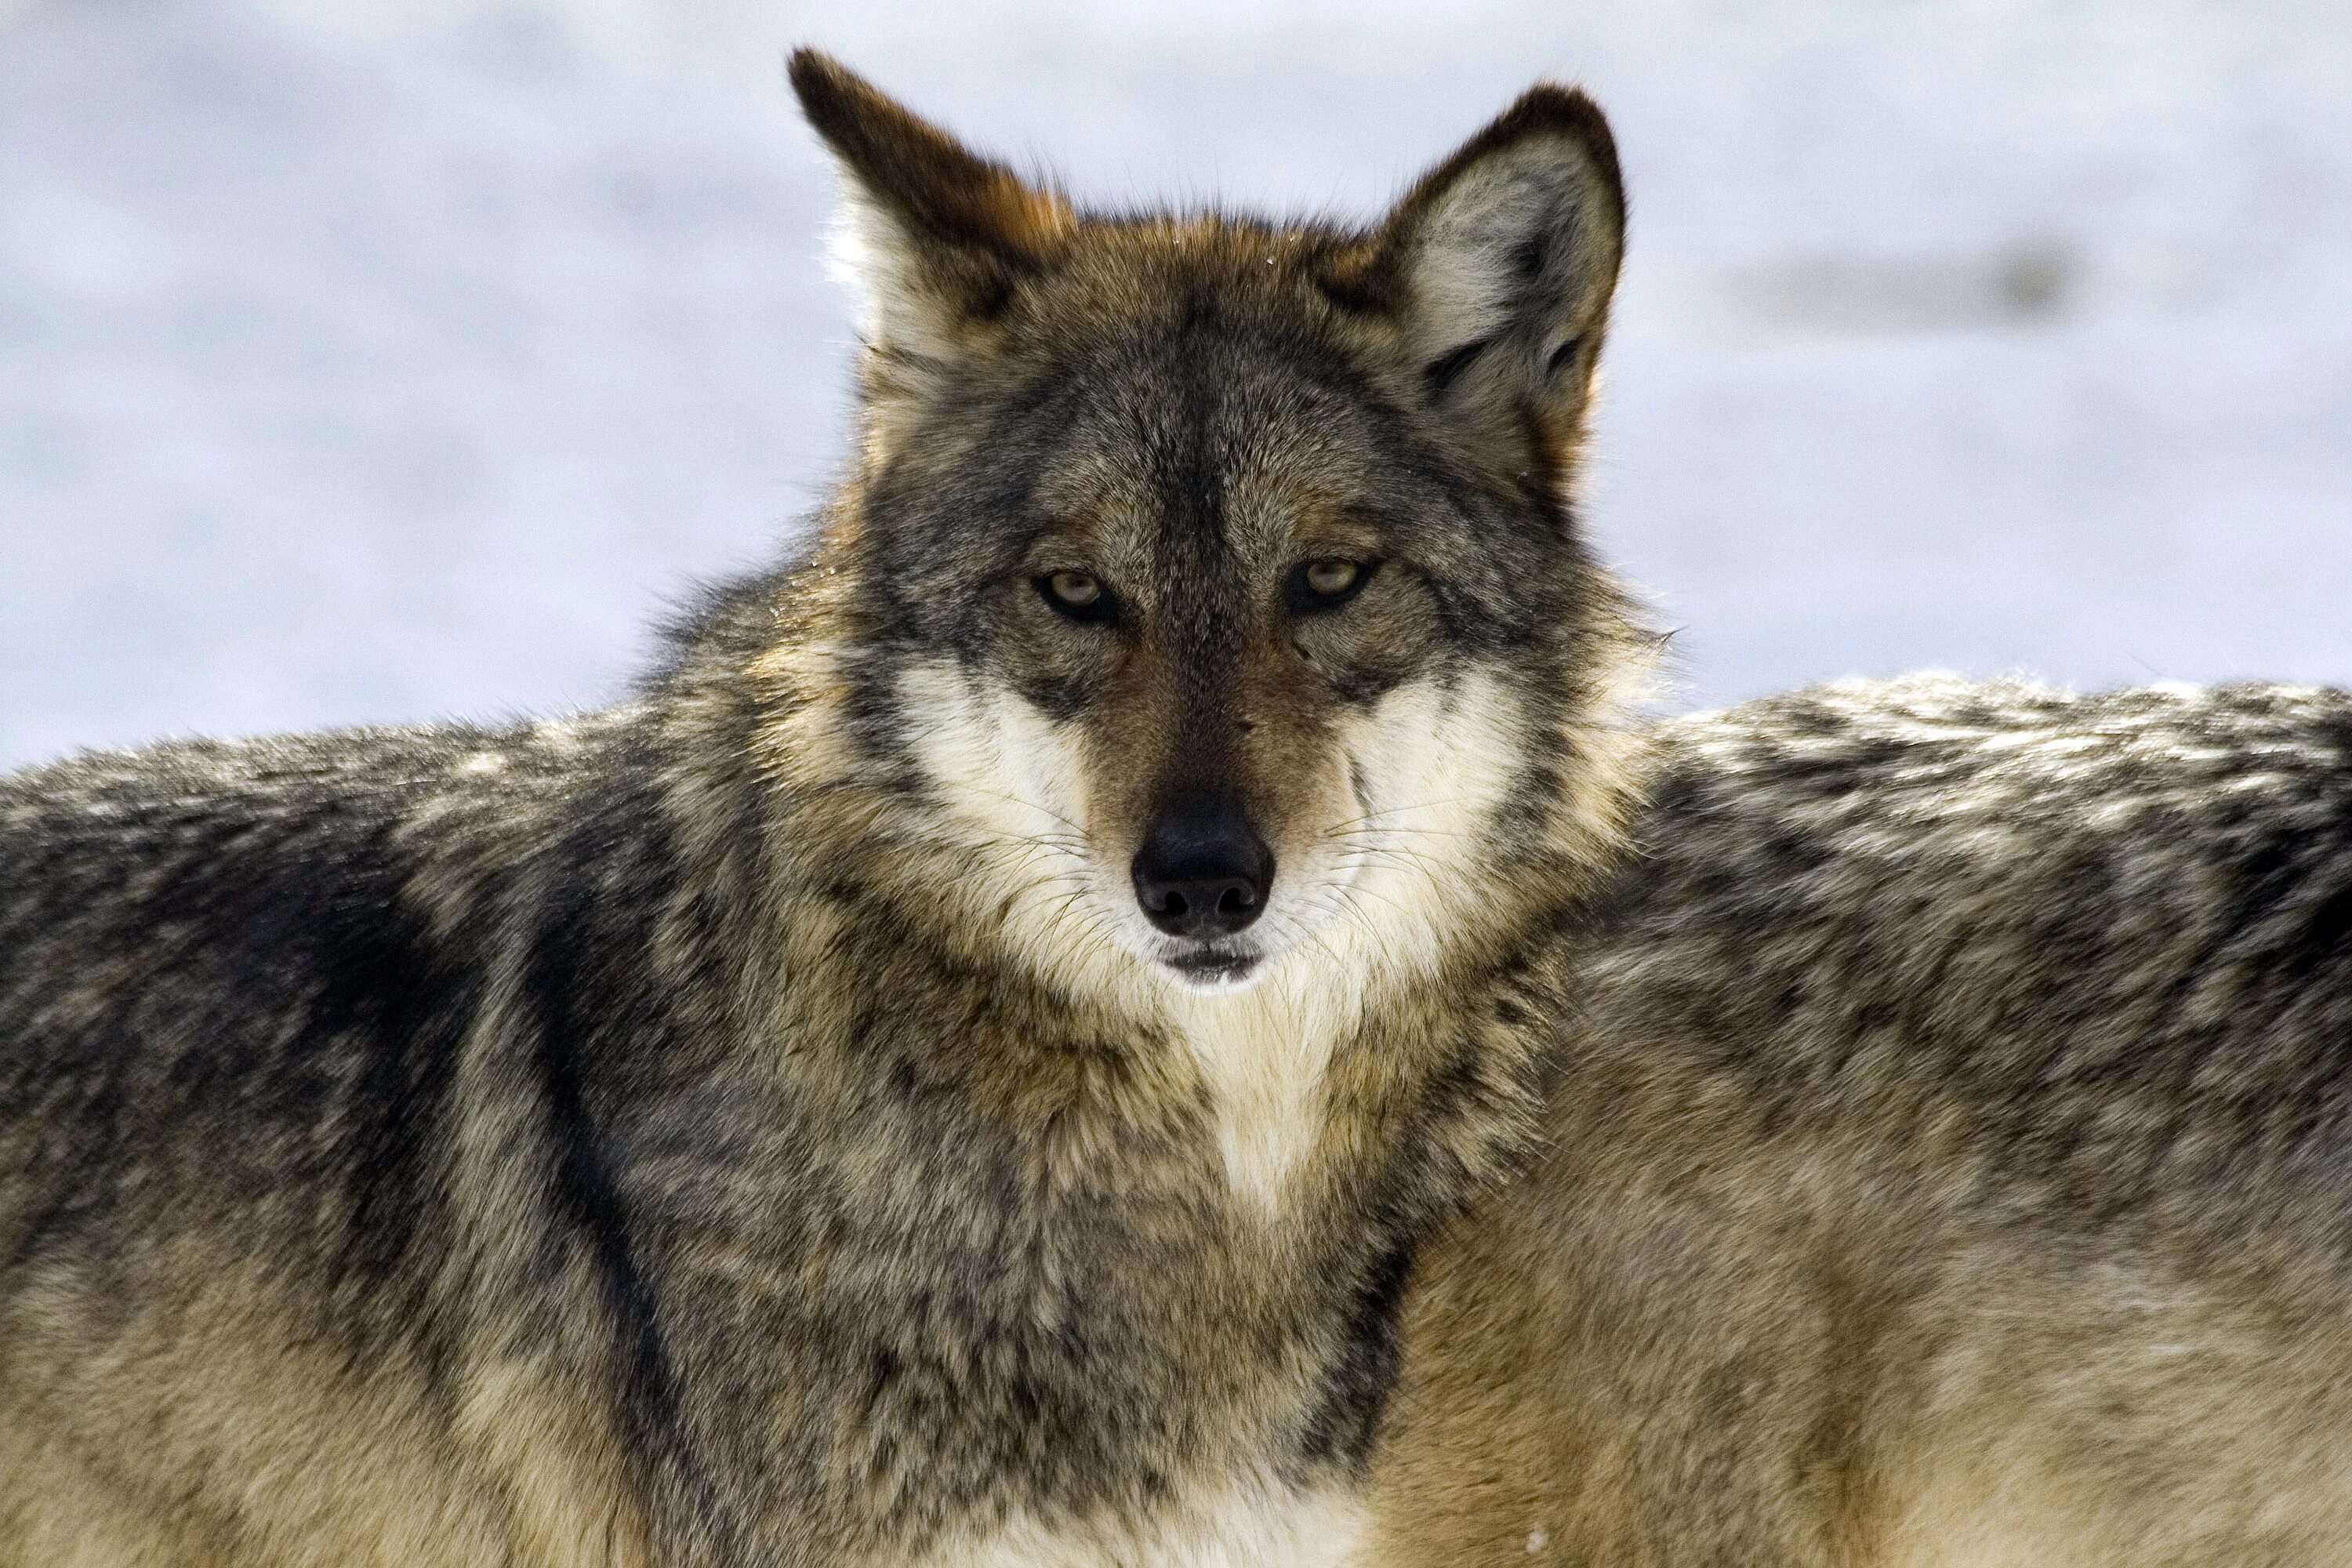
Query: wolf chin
x=956, y=1070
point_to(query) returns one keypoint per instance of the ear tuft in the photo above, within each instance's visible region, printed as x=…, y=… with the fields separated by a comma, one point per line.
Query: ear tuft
x=1500, y=263
x=937, y=235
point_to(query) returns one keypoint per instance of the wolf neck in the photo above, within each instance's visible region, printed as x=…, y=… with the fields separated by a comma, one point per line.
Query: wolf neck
x=1263, y=1055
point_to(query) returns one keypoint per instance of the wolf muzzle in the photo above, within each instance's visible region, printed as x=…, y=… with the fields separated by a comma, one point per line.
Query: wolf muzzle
x=1202, y=871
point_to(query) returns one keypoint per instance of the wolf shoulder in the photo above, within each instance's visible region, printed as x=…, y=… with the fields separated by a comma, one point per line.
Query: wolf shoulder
x=197, y=927
x=184, y=846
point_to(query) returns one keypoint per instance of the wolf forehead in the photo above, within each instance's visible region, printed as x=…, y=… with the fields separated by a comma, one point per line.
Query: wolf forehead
x=1197, y=429
x=1187, y=392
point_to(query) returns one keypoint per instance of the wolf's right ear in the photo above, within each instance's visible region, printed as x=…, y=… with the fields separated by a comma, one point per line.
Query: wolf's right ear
x=936, y=237
x=1498, y=266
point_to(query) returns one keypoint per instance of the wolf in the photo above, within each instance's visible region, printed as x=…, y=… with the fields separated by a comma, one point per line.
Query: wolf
x=1950, y=1161
x=957, y=1067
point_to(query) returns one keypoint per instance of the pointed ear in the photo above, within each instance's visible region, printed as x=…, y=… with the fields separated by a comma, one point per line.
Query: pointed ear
x=1500, y=262
x=936, y=237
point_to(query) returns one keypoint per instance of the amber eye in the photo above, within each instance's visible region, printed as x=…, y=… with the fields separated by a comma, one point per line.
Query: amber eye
x=1328, y=577
x=1077, y=595
x=1329, y=582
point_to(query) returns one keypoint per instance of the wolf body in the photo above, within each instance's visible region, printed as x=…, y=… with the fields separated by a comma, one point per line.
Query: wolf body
x=1950, y=1161
x=954, y=1071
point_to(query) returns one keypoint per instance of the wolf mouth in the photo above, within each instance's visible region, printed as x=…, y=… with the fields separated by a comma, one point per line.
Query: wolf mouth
x=1213, y=966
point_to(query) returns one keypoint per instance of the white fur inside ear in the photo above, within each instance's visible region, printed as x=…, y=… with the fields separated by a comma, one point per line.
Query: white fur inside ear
x=1512, y=255
x=872, y=252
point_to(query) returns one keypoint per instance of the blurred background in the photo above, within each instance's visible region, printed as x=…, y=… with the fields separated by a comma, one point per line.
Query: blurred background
x=387, y=358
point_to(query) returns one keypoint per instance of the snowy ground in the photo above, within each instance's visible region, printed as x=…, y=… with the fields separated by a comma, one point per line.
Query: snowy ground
x=373, y=359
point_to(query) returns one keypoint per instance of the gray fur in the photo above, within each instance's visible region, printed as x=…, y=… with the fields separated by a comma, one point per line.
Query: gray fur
x=1952, y=1161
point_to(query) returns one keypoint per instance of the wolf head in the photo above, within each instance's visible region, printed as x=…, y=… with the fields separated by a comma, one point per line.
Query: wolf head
x=1206, y=596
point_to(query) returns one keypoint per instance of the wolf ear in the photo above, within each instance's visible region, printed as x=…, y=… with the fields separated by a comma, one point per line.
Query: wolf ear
x=936, y=237
x=1500, y=262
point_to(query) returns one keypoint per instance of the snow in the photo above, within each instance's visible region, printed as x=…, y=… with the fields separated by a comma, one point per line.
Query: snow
x=384, y=359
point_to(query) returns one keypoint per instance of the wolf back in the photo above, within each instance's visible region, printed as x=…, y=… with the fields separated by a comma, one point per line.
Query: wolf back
x=1951, y=1163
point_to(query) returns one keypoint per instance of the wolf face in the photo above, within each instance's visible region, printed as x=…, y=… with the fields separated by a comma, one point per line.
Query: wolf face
x=1213, y=591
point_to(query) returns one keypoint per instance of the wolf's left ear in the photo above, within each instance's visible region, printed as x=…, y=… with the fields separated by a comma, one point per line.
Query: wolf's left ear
x=937, y=236
x=1500, y=262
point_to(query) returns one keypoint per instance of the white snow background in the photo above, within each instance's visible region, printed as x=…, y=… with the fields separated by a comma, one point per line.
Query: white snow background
x=384, y=359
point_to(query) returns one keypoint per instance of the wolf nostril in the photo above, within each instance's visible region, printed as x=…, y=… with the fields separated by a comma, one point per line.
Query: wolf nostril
x=1202, y=871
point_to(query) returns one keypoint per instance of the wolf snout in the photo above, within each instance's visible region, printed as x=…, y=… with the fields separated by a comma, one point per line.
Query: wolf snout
x=1202, y=871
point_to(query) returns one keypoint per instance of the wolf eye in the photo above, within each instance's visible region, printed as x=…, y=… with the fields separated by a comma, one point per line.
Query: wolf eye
x=1077, y=595
x=1328, y=577
x=1327, y=583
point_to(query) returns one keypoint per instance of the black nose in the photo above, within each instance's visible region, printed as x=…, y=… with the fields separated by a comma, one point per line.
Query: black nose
x=1203, y=870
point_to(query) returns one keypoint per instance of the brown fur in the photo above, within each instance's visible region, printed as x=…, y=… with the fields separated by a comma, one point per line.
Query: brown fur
x=1952, y=1163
